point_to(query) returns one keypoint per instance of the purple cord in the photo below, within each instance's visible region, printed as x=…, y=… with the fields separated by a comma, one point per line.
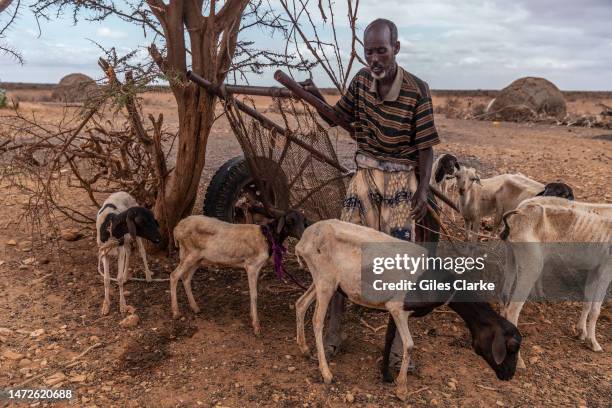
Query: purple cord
x=278, y=251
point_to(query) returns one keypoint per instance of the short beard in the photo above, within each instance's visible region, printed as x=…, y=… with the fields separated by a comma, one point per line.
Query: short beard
x=379, y=76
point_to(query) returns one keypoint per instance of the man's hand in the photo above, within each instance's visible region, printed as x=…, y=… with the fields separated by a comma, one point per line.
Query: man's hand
x=419, y=202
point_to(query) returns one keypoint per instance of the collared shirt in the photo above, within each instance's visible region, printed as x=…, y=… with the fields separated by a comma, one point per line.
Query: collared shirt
x=394, y=128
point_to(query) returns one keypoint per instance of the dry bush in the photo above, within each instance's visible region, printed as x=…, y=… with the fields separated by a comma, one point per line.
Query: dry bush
x=102, y=148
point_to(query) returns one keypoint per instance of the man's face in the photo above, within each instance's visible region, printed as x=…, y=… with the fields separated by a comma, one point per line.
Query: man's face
x=379, y=52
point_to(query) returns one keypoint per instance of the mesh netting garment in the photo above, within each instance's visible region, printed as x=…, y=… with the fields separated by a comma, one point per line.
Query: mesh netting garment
x=381, y=200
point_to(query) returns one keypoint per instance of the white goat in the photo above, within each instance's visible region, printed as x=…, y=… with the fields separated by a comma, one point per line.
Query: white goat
x=556, y=220
x=121, y=218
x=332, y=251
x=492, y=196
x=206, y=241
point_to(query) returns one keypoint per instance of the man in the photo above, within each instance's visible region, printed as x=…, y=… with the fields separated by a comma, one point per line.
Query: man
x=392, y=116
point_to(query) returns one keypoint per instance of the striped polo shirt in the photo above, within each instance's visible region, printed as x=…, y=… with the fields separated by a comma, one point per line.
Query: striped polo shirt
x=392, y=129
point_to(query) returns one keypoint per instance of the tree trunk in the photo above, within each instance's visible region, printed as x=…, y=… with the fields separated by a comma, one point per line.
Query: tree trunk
x=177, y=197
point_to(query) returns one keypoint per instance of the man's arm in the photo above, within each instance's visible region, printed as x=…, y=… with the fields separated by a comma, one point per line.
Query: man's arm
x=419, y=200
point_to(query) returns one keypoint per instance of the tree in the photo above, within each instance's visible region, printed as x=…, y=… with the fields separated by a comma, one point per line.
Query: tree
x=198, y=35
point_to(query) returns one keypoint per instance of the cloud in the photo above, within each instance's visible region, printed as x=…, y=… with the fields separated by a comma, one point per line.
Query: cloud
x=112, y=34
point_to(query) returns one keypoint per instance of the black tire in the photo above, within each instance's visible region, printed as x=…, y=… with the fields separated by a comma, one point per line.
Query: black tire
x=231, y=179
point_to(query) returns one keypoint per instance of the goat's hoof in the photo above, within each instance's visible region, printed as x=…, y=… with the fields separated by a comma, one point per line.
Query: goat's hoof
x=195, y=310
x=582, y=336
x=305, y=351
x=105, y=309
x=149, y=278
x=402, y=393
x=596, y=347
x=176, y=315
x=257, y=331
x=327, y=378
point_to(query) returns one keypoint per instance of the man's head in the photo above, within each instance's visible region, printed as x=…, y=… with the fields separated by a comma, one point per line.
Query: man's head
x=381, y=46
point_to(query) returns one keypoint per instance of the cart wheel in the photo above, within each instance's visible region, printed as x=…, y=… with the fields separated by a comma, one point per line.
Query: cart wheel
x=233, y=189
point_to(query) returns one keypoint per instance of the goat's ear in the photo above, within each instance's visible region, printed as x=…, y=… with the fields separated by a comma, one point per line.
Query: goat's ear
x=499, y=346
x=280, y=225
x=457, y=166
x=131, y=225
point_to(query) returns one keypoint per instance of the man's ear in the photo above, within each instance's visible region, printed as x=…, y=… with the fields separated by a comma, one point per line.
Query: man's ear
x=396, y=48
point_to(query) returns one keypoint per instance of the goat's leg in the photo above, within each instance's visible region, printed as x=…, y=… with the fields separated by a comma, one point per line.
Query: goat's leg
x=252, y=275
x=400, y=317
x=581, y=326
x=301, y=307
x=324, y=295
x=597, y=295
x=187, y=286
x=122, y=275
x=107, y=281
x=177, y=274
x=143, y=255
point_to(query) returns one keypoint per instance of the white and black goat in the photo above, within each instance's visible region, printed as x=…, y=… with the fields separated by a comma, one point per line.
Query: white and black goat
x=206, y=241
x=332, y=250
x=122, y=219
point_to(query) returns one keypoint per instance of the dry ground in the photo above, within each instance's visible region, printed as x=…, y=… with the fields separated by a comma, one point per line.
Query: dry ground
x=213, y=359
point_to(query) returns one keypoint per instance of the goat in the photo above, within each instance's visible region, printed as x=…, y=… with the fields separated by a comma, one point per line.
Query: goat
x=204, y=241
x=553, y=220
x=121, y=218
x=332, y=251
x=443, y=174
x=492, y=196
x=561, y=190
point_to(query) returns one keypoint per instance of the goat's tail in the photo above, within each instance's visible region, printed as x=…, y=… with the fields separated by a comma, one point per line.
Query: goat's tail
x=506, y=231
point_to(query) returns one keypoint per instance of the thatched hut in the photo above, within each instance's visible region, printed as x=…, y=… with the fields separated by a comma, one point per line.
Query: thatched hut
x=75, y=88
x=527, y=99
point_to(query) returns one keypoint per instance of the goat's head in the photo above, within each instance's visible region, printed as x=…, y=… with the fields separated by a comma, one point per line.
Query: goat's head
x=466, y=177
x=142, y=223
x=447, y=166
x=291, y=224
x=558, y=190
x=495, y=339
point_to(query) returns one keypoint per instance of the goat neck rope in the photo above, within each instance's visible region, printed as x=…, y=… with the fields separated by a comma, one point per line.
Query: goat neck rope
x=277, y=250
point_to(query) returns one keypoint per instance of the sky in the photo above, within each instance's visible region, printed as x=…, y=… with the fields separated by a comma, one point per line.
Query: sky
x=468, y=44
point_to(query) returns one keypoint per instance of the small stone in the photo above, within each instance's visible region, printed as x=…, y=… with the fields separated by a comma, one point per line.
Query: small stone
x=537, y=349
x=499, y=403
x=71, y=234
x=291, y=369
x=55, y=378
x=130, y=321
x=29, y=261
x=287, y=356
x=11, y=242
x=533, y=360
x=434, y=402
x=12, y=355
x=37, y=333
x=94, y=339
x=106, y=388
x=452, y=385
x=79, y=378
x=275, y=397
x=350, y=398
x=24, y=362
x=25, y=246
